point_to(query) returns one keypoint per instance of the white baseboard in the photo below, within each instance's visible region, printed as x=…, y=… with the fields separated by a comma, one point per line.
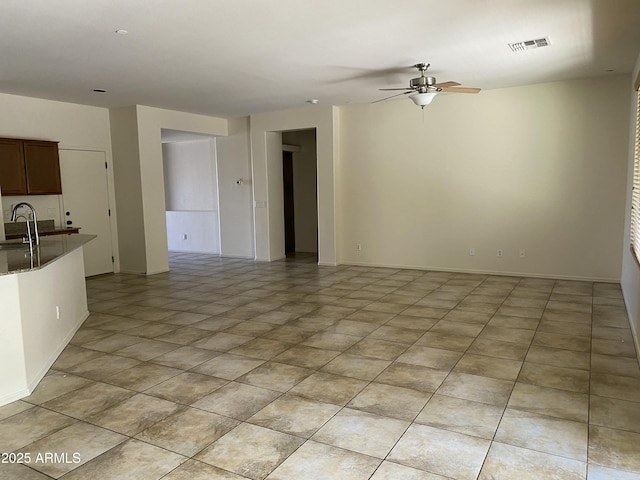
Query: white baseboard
x=202, y=252
x=14, y=396
x=484, y=272
x=634, y=331
x=33, y=382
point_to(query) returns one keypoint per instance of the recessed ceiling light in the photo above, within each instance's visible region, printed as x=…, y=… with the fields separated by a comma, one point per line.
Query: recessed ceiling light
x=122, y=31
x=99, y=90
x=313, y=101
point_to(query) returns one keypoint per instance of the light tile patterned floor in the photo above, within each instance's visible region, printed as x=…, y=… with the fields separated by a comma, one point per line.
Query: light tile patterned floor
x=230, y=369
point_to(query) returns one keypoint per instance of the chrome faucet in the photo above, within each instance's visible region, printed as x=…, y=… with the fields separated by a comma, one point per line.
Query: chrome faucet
x=15, y=216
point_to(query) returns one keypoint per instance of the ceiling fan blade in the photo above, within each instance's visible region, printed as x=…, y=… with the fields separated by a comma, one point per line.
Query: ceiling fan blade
x=460, y=89
x=447, y=84
x=390, y=89
x=396, y=95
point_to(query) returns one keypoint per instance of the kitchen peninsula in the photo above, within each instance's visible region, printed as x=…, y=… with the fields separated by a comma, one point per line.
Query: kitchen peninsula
x=43, y=302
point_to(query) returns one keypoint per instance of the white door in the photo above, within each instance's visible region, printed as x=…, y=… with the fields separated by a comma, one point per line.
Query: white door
x=85, y=199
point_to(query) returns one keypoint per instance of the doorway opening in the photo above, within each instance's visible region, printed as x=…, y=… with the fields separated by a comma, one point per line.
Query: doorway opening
x=299, y=175
x=191, y=192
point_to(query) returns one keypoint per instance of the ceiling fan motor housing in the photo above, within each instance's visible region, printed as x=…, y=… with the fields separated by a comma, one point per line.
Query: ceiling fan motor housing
x=422, y=83
x=424, y=88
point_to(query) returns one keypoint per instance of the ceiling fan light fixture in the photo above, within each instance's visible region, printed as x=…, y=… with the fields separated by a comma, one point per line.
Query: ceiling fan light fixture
x=423, y=99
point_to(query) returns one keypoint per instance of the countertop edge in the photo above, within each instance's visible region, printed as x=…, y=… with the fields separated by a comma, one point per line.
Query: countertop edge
x=50, y=250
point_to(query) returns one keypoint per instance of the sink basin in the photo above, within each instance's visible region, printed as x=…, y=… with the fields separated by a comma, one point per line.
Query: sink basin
x=13, y=244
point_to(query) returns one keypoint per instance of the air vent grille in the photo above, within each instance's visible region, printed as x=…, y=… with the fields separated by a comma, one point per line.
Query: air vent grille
x=530, y=44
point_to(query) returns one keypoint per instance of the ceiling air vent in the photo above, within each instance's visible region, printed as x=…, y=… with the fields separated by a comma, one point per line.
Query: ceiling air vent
x=530, y=44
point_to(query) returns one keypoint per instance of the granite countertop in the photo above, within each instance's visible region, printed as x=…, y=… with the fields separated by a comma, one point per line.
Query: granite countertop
x=45, y=227
x=18, y=260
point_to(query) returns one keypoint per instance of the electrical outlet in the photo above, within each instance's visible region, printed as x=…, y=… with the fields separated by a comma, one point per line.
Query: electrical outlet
x=499, y=252
x=472, y=252
x=523, y=253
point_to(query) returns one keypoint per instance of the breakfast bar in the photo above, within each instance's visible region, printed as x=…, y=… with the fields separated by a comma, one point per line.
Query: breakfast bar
x=43, y=302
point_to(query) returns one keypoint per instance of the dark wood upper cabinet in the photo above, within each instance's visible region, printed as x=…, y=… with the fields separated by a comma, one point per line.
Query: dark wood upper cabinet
x=13, y=174
x=29, y=167
x=43, y=168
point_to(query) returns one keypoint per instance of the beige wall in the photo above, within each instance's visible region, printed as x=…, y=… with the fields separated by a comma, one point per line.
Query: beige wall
x=70, y=124
x=32, y=334
x=275, y=203
x=630, y=269
x=146, y=196
x=539, y=168
x=126, y=171
x=13, y=378
x=62, y=284
x=536, y=168
x=150, y=123
x=235, y=201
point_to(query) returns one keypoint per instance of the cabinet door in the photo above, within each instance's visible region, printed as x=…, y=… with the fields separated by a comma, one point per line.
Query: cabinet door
x=43, y=168
x=13, y=180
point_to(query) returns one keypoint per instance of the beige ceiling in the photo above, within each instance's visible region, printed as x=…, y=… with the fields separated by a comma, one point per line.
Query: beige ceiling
x=236, y=57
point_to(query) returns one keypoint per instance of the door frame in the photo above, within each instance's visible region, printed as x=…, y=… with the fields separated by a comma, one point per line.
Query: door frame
x=266, y=189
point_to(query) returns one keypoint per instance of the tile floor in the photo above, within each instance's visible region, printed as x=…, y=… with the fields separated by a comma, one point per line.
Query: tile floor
x=228, y=369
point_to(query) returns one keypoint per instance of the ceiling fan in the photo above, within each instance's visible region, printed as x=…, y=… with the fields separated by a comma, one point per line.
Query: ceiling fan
x=422, y=89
